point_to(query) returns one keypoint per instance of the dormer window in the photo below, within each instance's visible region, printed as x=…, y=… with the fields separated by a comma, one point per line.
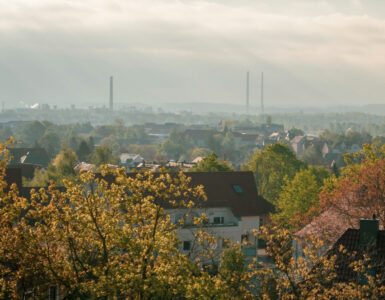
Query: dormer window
x=219, y=220
x=238, y=189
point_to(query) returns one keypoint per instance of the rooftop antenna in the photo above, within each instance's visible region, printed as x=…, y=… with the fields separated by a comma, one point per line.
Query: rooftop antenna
x=111, y=93
x=247, y=92
x=262, y=106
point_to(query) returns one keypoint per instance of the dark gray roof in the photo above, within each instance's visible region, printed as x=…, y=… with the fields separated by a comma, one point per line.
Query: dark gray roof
x=350, y=240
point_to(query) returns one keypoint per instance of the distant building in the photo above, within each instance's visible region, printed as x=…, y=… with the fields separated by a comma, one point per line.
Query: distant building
x=129, y=160
x=245, y=139
x=33, y=156
x=85, y=167
x=298, y=144
x=197, y=160
x=201, y=137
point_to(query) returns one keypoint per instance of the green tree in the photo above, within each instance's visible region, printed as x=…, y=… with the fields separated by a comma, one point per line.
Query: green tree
x=378, y=141
x=62, y=167
x=211, y=163
x=199, y=152
x=293, y=132
x=172, y=150
x=83, y=151
x=30, y=133
x=50, y=141
x=71, y=142
x=269, y=120
x=229, y=149
x=298, y=201
x=176, y=145
x=103, y=155
x=271, y=166
x=313, y=156
x=233, y=270
x=112, y=142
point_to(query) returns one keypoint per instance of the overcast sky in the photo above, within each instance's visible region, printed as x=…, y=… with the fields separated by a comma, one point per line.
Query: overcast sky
x=311, y=52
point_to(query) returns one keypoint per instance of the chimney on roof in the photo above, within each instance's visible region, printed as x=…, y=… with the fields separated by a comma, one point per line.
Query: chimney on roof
x=369, y=231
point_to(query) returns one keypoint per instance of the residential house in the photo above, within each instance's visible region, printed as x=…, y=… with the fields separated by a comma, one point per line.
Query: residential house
x=271, y=128
x=366, y=240
x=85, y=167
x=245, y=139
x=329, y=226
x=35, y=156
x=130, y=161
x=365, y=243
x=278, y=136
x=200, y=137
x=28, y=160
x=266, y=129
x=298, y=144
x=233, y=209
x=161, y=129
x=249, y=129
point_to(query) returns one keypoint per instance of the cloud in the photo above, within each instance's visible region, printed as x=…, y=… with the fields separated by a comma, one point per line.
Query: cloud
x=306, y=35
x=194, y=28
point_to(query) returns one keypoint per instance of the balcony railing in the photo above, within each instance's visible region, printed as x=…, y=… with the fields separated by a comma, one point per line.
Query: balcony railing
x=249, y=250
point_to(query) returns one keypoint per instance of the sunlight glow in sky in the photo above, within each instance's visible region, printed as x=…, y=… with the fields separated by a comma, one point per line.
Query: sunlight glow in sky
x=312, y=52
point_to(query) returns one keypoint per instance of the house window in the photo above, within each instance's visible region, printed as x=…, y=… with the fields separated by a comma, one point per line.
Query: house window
x=176, y=218
x=186, y=245
x=237, y=188
x=244, y=238
x=261, y=222
x=219, y=220
x=53, y=292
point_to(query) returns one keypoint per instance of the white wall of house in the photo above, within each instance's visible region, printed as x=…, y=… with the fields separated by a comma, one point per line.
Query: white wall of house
x=222, y=224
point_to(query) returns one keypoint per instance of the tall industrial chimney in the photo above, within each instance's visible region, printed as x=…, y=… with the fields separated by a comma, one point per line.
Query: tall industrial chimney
x=247, y=92
x=262, y=106
x=111, y=93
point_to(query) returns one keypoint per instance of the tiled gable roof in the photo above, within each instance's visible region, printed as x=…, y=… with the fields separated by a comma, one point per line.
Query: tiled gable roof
x=220, y=192
x=350, y=240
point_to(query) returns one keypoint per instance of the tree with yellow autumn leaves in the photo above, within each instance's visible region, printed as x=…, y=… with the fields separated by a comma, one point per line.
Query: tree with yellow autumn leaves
x=109, y=237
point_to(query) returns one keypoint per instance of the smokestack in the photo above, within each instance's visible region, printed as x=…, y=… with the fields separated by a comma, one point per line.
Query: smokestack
x=111, y=93
x=262, y=107
x=247, y=92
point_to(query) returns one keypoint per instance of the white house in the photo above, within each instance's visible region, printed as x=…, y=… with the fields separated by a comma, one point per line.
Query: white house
x=233, y=208
x=129, y=160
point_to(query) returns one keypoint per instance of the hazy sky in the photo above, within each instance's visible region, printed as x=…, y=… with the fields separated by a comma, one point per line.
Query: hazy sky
x=312, y=52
